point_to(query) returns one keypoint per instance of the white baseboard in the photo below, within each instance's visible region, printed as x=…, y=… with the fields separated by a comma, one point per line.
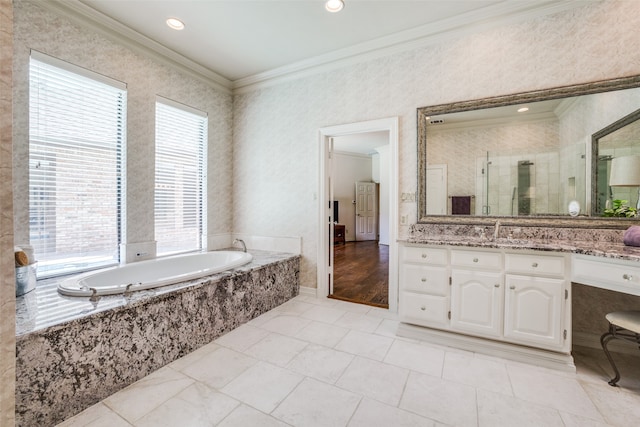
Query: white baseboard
x=585, y=339
x=309, y=292
x=533, y=356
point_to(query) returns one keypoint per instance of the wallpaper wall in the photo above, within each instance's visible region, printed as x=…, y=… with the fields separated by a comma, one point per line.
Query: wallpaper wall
x=7, y=281
x=40, y=30
x=275, y=129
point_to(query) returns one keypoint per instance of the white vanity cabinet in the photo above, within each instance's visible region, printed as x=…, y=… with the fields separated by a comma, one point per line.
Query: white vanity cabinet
x=424, y=293
x=537, y=299
x=509, y=296
x=477, y=295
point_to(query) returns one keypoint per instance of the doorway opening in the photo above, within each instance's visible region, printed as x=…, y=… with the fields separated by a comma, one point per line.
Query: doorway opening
x=357, y=259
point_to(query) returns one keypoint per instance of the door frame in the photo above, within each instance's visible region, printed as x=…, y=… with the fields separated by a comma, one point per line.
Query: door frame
x=325, y=134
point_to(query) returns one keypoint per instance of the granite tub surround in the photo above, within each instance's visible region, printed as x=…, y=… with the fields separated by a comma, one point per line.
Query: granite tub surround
x=67, y=364
x=588, y=237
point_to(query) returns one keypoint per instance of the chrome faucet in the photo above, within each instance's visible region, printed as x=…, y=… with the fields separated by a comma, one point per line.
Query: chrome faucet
x=496, y=231
x=244, y=247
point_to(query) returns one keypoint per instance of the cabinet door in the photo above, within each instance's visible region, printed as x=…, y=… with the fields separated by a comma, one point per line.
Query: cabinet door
x=533, y=311
x=477, y=302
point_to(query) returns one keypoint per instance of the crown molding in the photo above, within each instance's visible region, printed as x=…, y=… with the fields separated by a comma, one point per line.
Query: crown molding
x=506, y=12
x=503, y=13
x=88, y=17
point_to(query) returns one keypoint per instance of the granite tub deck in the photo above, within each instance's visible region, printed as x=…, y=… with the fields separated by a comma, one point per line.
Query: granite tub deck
x=72, y=353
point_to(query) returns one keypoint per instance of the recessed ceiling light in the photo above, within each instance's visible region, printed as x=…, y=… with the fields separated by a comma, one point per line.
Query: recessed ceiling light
x=175, y=24
x=334, y=5
x=523, y=109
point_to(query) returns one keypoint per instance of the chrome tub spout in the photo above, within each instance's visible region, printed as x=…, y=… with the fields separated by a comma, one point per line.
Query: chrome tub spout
x=244, y=246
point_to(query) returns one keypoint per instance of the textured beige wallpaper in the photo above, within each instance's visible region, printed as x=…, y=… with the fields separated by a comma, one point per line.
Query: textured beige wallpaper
x=7, y=283
x=38, y=29
x=275, y=129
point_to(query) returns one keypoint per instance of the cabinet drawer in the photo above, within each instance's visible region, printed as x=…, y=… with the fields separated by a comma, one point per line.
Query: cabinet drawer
x=616, y=275
x=426, y=310
x=435, y=256
x=477, y=259
x=535, y=264
x=425, y=279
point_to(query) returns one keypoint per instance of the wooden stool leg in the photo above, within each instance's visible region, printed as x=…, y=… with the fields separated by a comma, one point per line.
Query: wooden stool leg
x=604, y=340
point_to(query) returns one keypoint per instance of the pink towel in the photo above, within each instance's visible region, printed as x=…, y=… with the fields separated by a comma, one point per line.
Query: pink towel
x=632, y=236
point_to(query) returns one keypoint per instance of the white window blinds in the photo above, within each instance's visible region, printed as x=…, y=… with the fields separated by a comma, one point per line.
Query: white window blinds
x=76, y=136
x=181, y=135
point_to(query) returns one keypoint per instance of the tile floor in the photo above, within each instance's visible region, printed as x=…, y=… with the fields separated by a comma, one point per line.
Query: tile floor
x=330, y=363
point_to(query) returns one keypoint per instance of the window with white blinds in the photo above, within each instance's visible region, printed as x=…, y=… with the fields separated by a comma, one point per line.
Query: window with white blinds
x=180, y=190
x=76, y=138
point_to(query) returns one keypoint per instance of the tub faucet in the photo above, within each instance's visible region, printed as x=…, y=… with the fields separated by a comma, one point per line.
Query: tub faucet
x=244, y=247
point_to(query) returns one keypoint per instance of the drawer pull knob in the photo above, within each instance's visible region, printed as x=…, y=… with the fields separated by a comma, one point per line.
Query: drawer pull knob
x=534, y=265
x=424, y=279
x=424, y=255
x=512, y=287
x=627, y=277
x=423, y=308
x=497, y=285
x=475, y=260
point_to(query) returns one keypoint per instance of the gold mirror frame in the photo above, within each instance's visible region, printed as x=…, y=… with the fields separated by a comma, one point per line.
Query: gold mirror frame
x=499, y=101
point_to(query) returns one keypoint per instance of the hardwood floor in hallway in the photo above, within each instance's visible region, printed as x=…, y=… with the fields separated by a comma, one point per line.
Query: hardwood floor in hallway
x=361, y=273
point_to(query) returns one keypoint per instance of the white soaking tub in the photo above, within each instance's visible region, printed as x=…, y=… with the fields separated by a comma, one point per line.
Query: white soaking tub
x=152, y=274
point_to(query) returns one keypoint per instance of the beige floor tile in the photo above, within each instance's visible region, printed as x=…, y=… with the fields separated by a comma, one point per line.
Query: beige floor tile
x=293, y=307
x=323, y=314
x=263, y=386
x=417, y=357
x=363, y=344
x=322, y=333
x=619, y=407
x=219, y=367
x=359, y=322
x=572, y=420
x=197, y=405
x=551, y=389
x=322, y=363
x=499, y=410
x=245, y=416
x=441, y=400
x=143, y=396
x=285, y=325
x=277, y=349
x=193, y=357
x=387, y=328
x=376, y=380
x=242, y=337
x=479, y=373
x=371, y=413
x=316, y=404
x=97, y=415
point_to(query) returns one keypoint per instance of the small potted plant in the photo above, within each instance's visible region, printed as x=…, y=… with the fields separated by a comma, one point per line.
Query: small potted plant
x=619, y=208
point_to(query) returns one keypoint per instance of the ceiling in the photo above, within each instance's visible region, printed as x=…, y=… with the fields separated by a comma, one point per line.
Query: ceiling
x=242, y=39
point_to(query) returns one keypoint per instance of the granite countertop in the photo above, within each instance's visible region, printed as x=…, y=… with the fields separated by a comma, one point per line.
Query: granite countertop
x=596, y=248
x=44, y=307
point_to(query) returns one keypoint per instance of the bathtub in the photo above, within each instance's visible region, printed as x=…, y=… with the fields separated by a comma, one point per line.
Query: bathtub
x=152, y=274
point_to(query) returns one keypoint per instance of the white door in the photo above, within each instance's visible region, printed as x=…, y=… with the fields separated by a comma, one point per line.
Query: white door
x=330, y=213
x=436, y=190
x=366, y=211
x=476, y=302
x=533, y=311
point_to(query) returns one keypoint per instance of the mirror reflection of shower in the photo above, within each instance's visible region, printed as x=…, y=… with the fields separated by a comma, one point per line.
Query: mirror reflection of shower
x=605, y=193
x=525, y=191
